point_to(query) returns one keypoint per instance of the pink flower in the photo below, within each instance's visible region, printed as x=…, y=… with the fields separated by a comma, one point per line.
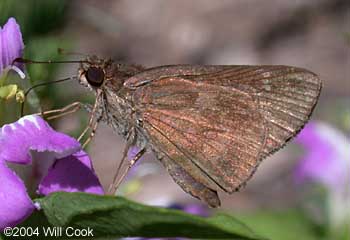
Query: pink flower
x=327, y=158
x=71, y=170
x=11, y=44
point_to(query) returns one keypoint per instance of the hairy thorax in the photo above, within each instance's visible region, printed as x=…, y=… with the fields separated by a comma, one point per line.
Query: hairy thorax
x=119, y=113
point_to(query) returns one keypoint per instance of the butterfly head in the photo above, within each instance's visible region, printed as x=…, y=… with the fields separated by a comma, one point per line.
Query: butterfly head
x=93, y=72
x=98, y=73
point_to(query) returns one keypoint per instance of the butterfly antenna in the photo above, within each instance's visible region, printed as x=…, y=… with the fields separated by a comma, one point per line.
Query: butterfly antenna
x=40, y=85
x=28, y=61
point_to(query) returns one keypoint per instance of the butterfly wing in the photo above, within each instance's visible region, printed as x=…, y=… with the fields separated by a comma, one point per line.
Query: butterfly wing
x=214, y=133
x=285, y=96
x=216, y=123
x=189, y=184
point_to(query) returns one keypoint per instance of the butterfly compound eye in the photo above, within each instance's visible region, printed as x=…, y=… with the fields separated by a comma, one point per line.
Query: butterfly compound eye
x=95, y=76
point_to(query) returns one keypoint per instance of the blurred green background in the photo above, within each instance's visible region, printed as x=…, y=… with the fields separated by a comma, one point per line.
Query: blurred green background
x=310, y=34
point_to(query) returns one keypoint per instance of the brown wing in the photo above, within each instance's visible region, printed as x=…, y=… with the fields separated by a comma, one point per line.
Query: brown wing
x=189, y=184
x=285, y=96
x=218, y=122
x=215, y=134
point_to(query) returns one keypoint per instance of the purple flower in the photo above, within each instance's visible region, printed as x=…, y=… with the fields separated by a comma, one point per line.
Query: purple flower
x=71, y=169
x=327, y=162
x=11, y=44
x=327, y=158
x=195, y=209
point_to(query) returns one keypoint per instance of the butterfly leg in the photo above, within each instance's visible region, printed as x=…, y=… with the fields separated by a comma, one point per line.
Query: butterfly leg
x=130, y=138
x=60, y=112
x=92, y=124
x=116, y=182
x=93, y=131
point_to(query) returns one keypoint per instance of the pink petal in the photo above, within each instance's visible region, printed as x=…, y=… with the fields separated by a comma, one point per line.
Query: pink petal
x=15, y=204
x=11, y=44
x=33, y=133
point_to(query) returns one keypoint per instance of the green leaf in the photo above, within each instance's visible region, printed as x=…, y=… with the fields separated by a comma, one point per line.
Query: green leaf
x=8, y=91
x=110, y=216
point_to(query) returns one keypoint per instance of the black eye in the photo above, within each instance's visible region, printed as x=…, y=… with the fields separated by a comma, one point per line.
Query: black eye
x=95, y=76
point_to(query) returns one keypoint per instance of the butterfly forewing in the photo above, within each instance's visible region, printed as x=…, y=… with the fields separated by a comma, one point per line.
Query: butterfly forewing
x=285, y=96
